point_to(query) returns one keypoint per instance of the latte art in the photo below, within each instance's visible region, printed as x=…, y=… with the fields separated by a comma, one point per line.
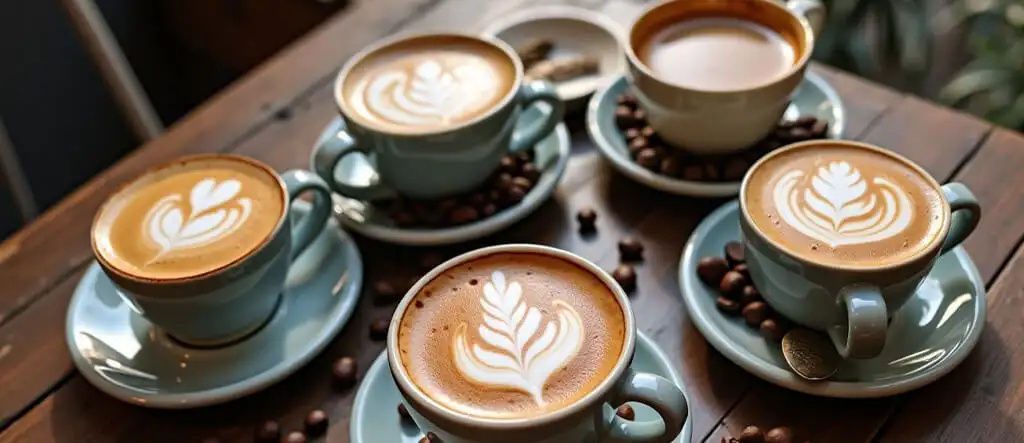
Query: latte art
x=838, y=206
x=431, y=93
x=526, y=355
x=213, y=213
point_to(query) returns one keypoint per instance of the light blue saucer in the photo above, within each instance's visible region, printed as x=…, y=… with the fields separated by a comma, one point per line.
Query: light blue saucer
x=124, y=355
x=928, y=337
x=814, y=97
x=375, y=411
x=552, y=156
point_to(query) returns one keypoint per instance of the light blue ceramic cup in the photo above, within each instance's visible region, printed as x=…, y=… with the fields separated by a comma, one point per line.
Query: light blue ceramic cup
x=592, y=418
x=229, y=303
x=851, y=304
x=446, y=161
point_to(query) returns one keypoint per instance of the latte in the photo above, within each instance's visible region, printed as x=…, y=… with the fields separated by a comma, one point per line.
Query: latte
x=511, y=335
x=427, y=83
x=189, y=218
x=844, y=205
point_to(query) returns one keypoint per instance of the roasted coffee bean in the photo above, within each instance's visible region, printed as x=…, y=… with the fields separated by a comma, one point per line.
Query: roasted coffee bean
x=631, y=133
x=344, y=372
x=526, y=156
x=503, y=180
x=647, y=131
x=268, y=432
x=781, y=434
x=523, y=183
x=734, y=253
x=508, y=165
x=755, y=313
x=711, y=270
x=727, y=305
x=732, y=284
x=515, y=195
x=636, y=146
x=711, y=172
x=316, y=423
x=430, y=259
x=626, y=412
x=799, y=134
x=626, y=100
x=384, y=292
x=489, y=210
x=295, y=437
x=735, y=169
x=403, y=413
x=495, y=195
x=404, y=219
x=671, y=166
x=749, y=295
x=430, y=438
x=587, y=219
x=819, y=129
x=624, y=117
x=752, y=434
x=529, y=171
x=771, y=330
x=463, y=215
x=693, y=173
x=625, y=276
x=630, y=249
x=729, y=440
x=379, y=328
x=805, y=121
x=648, y=158
x=639, y=116
x=742, y=268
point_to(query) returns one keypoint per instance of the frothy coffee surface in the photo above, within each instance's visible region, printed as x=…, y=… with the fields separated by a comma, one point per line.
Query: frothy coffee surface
x=845, y=206
x=717, y=53
x=189, y=218
x=427, y=83
x=511, y=335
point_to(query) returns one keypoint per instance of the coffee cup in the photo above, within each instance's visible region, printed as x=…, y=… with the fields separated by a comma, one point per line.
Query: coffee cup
x=436, y=112
x=716, y=76
x=524, y=343
x=839, y=234
x=201, y=246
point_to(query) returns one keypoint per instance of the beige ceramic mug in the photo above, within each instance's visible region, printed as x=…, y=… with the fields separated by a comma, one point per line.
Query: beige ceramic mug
x=708, y=120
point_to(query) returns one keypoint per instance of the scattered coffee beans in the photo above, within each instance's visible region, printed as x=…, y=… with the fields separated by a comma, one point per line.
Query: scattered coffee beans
x=384, y=292
x=379, y=328
x=734, y=253
x=630, y=249
x=742, y=269
x=403, y=413
x=295, y=437
x=737, y=294
x=780, y=434
x=430, y=259
x=755, y=313
x=771, y=330
x=315, y=424
x=752, y=434
x=711, y=270
x=268, y=432
x=728, y=305
x=626, y=411
x=430, y=438
x=749, y=295
x=344, y=372
x=732, y=284
x=625, y=276
x=587, y=219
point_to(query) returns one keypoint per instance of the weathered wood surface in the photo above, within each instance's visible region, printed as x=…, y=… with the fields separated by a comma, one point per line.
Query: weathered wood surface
x=275, y=114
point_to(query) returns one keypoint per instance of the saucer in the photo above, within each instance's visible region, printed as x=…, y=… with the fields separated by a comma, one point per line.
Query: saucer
x=552, y=156
x=124, y=355
x=814, y=97
x=928, y=337
x=375, y=411
x=574, y=32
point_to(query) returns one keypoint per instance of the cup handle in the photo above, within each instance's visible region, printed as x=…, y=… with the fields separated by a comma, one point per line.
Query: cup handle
x=298, y=181
x=965, y=212
x=654, y=391
x=326, y=157
x=812, y=10
x=530, y=95
x=863, y=334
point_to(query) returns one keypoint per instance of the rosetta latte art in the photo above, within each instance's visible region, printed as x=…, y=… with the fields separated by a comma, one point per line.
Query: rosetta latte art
x=513, y=351
x=432, y=93
x=840, y=207
x=213, y=213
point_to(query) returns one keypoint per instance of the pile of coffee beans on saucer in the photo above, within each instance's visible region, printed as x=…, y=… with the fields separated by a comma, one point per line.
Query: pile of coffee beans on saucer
x=754, y=434
x=648, y=151
x=737, y=295
x=506, y=187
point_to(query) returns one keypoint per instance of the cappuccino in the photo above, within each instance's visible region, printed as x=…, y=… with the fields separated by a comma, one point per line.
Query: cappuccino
x=426, y=84
x=190, y=218
x=511, y=335
x=844, y=205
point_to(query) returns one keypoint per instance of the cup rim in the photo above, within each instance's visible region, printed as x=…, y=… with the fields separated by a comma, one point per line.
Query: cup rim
x=598, y=394
x=933, y=244
x=806, y=32
x=354, y=61
x=145, y=175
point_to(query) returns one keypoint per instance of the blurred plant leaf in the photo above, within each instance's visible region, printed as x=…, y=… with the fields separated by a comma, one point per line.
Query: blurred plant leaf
x=970, y=83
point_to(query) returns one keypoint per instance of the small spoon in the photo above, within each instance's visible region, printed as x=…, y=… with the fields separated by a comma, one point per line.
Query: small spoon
x=810, y=354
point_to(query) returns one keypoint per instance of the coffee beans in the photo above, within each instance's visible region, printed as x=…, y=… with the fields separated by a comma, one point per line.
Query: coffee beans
x=732, y=283
x=630, y=249
x=403, y=413
x=749, y=294
x=771, y=330
x=728, y=305
x=268, y=432
x=734, y=253
x=780, y=434
x=344, y=372
x=625, y=276
x=430, y=259
x=648, y=151
x=755, y=313
x=737, y=295
x=626, y=412
x=430, y=438
x=315, y=424
x=384, y=292
x=711, y=270
x=754, y=434
x=587, y=219
x=295, y=437
x=379, y=328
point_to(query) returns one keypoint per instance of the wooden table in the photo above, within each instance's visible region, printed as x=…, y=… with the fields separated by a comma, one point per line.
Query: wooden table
x=275, y=114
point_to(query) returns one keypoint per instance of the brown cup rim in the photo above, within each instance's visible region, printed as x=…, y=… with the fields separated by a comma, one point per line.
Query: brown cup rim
x=806, y=33
x=925, y=252
x=513, y=91
x=106, y=264
x=598, y=394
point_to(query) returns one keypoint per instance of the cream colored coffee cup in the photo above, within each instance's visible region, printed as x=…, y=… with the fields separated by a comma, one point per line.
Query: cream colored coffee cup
x=721, y=121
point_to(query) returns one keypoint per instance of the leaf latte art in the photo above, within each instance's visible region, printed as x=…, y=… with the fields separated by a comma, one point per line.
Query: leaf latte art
x=838, y=206
x=513, y=349
x=431, y=92
x=213, y=212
